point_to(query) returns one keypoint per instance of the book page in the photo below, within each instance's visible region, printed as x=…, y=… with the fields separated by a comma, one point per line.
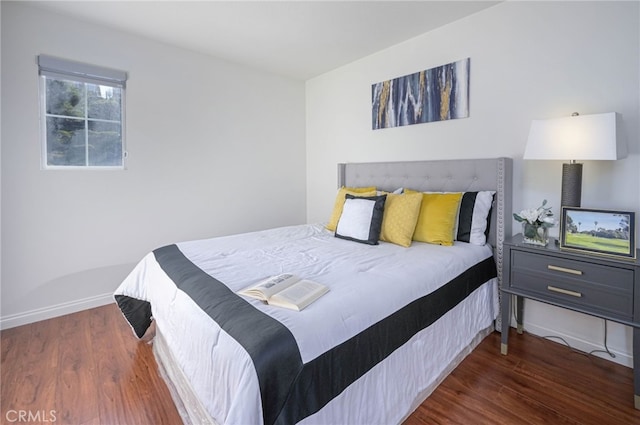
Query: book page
x=264, y=289
x=299, y=295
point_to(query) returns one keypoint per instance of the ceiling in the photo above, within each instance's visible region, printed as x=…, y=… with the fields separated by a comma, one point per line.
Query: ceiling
x=298, y=39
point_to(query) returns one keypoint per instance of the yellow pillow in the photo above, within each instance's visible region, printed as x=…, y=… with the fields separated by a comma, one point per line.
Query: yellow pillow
x=339, y=203
x=400, y=218
x=437, y=219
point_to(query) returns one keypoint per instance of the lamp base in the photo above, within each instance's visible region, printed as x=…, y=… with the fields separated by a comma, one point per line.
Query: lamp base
x=571, y=185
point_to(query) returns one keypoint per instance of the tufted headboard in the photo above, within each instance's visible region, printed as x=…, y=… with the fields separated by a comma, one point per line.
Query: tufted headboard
x=464, y=175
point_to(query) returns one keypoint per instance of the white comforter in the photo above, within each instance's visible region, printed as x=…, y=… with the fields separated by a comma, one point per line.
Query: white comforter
x=367, y=283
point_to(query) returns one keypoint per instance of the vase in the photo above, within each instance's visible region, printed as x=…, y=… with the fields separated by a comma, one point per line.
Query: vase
x=535, y=234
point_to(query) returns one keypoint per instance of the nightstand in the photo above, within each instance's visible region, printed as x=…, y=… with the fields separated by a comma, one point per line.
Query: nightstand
x=605, y=287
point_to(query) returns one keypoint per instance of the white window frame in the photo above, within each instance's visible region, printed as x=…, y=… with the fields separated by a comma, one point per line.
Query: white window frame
x=50, y=67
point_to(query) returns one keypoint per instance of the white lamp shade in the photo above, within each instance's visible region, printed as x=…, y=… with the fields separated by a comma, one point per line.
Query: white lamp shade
x=581, y=137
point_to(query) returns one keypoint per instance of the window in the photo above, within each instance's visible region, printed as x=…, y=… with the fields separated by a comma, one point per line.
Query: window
x=82, y=115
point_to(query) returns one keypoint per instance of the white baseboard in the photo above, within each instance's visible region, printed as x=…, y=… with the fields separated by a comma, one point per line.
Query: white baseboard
x=50, y=312
x=623, y=358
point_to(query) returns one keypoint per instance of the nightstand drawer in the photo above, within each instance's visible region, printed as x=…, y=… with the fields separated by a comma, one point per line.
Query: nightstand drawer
x=606, y=289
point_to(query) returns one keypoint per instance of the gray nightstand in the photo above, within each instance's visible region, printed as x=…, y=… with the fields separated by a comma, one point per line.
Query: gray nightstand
x=600, y=286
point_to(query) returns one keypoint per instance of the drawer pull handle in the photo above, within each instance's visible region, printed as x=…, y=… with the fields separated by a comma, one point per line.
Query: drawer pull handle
x=564, y=291
x=564, y=270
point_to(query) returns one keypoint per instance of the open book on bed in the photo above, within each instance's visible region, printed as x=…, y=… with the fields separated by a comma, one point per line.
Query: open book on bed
x=286, y=290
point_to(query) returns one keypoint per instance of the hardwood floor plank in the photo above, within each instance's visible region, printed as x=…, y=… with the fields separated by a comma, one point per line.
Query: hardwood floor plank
x=533, y=394
x=76, y=390
x=476, y=391
x=583, y=397
x=524, y=383
x=133, y=391
x=531, y=411
x=13, y=347
x=566, y=361
x=601, y=391
x=37, y=370
x=585, y=402
x=113, y=368
x=90, y=369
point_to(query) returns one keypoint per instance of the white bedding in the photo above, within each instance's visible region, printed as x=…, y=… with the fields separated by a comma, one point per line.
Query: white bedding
x=387, y=277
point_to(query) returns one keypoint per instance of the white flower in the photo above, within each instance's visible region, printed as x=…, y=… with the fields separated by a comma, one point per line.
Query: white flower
x=541, y=216
x=529, y=215
x=549, y=220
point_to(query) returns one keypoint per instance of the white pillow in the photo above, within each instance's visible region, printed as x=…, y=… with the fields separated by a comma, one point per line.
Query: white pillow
x=474, y=217
x=361, y=219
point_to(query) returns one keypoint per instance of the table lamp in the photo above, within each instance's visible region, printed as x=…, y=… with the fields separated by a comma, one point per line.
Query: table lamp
x=575, y=138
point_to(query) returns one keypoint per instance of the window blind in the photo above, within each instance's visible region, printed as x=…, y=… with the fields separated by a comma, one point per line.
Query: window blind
x=53, y=67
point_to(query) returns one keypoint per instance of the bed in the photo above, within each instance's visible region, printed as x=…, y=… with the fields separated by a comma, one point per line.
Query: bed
x=395, y=322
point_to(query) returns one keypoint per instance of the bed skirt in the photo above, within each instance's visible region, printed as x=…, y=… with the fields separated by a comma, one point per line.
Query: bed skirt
x=189, y=407
x=194, y=413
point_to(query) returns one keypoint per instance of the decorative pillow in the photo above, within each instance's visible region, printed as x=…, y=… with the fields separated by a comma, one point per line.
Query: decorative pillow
x=337, y=206
x=474, y=217
x=398, y=191
x=437, y=219
x=400, y=218
x=361, y=219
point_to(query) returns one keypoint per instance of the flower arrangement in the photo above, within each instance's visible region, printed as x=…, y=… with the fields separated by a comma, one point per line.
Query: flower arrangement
x=541, y=216
x=535, y=224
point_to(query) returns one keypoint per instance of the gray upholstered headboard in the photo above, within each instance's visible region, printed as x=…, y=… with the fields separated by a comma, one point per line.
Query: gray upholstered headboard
x=444, y=176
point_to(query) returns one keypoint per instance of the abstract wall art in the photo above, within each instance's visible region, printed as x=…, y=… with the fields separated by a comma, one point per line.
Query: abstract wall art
x=436, y=94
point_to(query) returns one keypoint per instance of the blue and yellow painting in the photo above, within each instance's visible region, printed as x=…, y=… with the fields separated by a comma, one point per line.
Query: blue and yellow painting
x=436, y=94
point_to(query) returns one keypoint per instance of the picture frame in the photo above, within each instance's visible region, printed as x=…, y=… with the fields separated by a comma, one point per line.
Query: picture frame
x=598, y=231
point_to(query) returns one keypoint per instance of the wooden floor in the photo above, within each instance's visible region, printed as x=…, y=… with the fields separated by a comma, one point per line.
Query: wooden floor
x=87, y=368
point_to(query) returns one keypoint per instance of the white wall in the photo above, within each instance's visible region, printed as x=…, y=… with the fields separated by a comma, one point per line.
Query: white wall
x=0, y=162
x=206, y=140
x=528, y=61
